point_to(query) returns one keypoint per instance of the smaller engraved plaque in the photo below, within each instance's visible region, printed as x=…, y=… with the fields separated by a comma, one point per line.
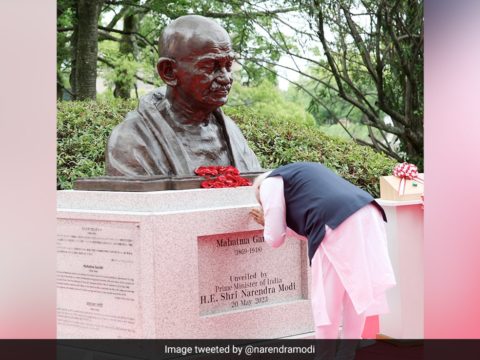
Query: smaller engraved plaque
x=97, y=278
x=240, y=271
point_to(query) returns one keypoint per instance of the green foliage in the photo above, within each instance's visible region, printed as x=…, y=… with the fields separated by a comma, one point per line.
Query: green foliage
x=263, y=34
x=83, y=128
x=242, y=20
x=124, y=66
x=278, y=143
x=65, y=19
x=277, y=139
x=358, y=131
x=373, y=66
x=268, y=101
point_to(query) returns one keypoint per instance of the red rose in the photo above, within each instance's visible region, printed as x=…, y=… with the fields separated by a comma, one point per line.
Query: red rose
x=231, y=170
x=206, y=184
x=206, y=170
x=218, y=184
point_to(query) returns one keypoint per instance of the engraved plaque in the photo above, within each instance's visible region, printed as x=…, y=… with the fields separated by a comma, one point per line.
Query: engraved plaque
x=97, y=278
x=240, y=271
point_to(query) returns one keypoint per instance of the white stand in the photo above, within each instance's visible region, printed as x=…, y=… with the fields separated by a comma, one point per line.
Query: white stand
x=405, y=243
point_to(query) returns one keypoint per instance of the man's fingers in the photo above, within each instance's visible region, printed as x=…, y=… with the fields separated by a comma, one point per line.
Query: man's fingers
x=257, y=215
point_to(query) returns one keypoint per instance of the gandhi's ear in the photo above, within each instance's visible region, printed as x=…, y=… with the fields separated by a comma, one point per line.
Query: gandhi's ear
x=167, y=69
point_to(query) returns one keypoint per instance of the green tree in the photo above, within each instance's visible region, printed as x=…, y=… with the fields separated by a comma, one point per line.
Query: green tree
x=143, y=22
x=85, y=48
x=378, y=65
x=268, y=101
x=368, y=65
x=358, y=59
x=66, y=17
x=128, y=48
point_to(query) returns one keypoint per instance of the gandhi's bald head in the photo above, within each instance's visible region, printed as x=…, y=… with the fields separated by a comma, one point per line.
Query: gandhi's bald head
x=184, y=36
x=196, y=62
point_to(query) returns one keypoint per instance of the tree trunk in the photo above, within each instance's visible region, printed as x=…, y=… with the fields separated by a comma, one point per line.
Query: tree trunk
x=85, y=77
x=73, y=41
x=127, y=46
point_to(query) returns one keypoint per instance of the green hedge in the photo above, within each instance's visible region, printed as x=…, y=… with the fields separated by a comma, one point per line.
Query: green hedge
x=83, y=129
x=281, y=143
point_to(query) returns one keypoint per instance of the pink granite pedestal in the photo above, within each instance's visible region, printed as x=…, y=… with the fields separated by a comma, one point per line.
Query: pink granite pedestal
x=175, y=264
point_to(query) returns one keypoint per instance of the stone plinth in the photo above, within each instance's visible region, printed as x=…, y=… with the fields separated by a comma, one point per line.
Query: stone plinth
x=175, y=264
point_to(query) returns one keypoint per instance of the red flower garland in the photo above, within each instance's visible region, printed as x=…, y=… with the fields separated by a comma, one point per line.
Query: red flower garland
x=221, y=177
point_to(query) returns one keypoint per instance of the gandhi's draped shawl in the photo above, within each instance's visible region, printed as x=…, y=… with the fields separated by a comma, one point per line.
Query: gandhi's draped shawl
x=145, y=144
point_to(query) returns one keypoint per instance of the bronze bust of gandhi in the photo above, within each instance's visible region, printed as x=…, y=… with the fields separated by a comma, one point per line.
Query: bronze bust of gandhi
x=177, y=128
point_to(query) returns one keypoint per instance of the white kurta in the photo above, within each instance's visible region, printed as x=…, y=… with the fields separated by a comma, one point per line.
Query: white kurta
x=357, y=250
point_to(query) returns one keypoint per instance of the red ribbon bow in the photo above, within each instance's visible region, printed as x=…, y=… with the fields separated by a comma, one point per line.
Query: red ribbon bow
x=406, y=172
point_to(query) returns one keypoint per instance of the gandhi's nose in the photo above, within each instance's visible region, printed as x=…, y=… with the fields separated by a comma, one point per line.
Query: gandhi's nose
x=225, y=77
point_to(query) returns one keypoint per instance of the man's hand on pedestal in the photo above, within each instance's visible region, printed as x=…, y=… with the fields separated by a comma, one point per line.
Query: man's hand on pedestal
x=257, y=214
